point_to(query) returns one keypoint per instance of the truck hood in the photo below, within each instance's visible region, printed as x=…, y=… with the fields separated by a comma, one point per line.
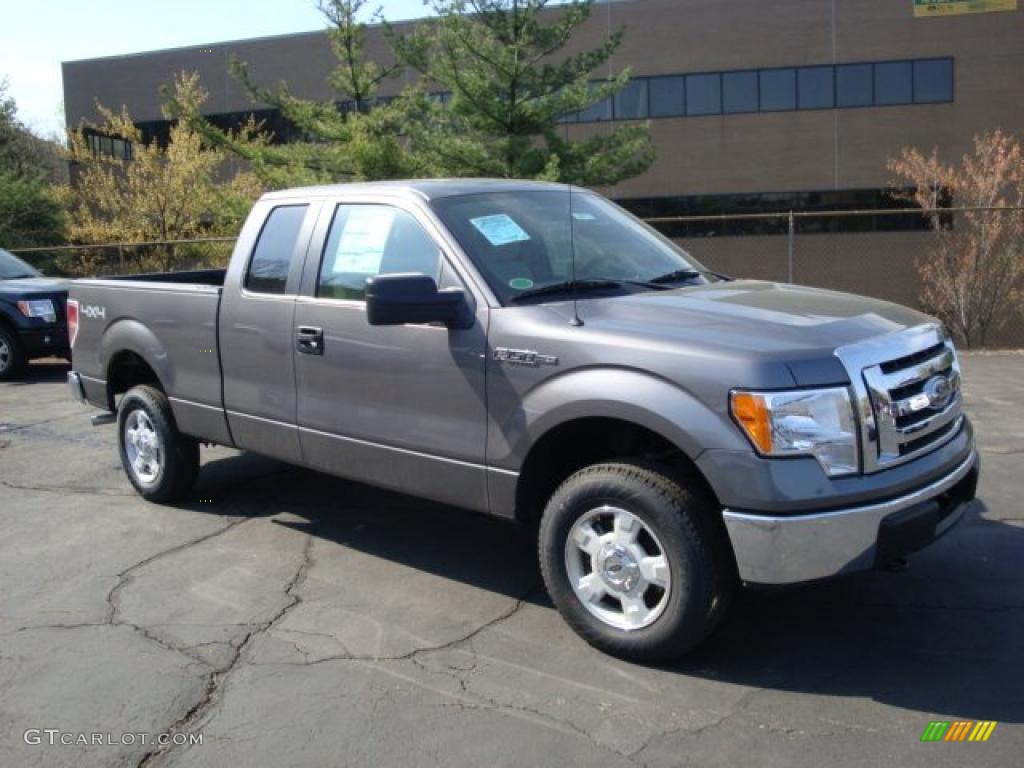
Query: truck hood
x=772, y=322
x=29, y=286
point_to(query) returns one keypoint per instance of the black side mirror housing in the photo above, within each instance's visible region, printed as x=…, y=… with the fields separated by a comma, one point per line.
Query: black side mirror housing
x=412, y=298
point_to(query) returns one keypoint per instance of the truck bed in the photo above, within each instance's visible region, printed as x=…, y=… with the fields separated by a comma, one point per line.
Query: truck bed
x=169, y=319
x=214, y=277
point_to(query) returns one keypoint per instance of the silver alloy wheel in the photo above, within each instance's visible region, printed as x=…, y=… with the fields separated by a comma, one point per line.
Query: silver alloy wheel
x=143, y=447
x=5, y=355
x=618, y=568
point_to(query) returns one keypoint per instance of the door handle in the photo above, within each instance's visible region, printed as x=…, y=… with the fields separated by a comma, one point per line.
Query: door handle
x=309, y=340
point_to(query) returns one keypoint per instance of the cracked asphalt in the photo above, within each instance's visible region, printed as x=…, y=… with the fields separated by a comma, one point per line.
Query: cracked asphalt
x=294, y=619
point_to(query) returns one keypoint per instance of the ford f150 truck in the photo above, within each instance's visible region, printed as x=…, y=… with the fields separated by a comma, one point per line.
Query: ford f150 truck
x=32, y=322
x=534, y=352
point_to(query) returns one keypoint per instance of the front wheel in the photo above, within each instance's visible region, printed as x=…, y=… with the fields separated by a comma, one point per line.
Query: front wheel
x=633, y=561
x=160, y=462
x=12, y=357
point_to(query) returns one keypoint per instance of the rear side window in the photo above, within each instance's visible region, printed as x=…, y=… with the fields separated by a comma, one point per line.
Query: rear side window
x=275, y=248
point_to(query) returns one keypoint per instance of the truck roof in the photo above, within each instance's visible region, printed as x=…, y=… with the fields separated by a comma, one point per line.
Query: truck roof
x=426, y=189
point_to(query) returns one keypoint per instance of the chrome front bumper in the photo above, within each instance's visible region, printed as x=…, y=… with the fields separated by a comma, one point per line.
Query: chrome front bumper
x=787, y=550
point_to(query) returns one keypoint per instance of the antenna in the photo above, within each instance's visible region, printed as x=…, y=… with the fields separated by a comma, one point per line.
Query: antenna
x=576, y=321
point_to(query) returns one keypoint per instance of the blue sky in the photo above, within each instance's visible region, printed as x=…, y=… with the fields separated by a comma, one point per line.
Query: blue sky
x=37, y=35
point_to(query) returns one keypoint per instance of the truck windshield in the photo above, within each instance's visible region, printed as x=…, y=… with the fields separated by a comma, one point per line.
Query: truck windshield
x=13, y=268
x=523, y=241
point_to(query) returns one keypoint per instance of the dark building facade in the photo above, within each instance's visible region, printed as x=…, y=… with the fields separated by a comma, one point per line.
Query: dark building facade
x=753, y=106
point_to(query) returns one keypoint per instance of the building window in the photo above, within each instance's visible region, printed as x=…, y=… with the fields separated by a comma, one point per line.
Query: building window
x=631, y=101
x=894, y=83
x=933, y=81
x=815, y=87
x=110, y=146
x=739, y=92
x=709, y=214
x=598, y=112
x=778, y=90
x=668, y=96
x=703, y=94
x=854, y=85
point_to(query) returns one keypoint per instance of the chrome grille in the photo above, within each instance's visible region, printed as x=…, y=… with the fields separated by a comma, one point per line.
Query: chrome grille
x=908, y=394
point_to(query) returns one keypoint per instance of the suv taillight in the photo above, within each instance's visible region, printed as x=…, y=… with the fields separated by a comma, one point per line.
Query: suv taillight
x=72, y=312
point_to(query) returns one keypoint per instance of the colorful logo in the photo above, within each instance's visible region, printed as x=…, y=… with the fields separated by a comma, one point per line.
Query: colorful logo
x=960, y=730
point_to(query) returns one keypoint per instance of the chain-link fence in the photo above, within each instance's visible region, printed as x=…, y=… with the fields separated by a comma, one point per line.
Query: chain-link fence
x=873, y=253
x=108, y=259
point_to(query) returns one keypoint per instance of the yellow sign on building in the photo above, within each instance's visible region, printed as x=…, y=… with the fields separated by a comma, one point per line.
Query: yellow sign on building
x=958, y=7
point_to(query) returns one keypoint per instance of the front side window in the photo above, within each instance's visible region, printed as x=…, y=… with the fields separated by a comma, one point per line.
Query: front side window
x=369, y=240
x=275, y=250
x=524, y=240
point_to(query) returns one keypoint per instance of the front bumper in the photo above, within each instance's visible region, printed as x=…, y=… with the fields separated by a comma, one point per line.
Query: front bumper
x=45, y=341
x=795, y=548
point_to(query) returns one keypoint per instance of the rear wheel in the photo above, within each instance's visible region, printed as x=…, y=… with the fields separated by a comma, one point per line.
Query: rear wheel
x=12, y=355
x=633, y=561
x=160, y=462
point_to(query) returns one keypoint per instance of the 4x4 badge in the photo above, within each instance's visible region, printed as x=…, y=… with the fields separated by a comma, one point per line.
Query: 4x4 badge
x=523, y=357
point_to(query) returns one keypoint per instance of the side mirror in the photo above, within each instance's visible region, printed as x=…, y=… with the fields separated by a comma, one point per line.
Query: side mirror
x=408, y=298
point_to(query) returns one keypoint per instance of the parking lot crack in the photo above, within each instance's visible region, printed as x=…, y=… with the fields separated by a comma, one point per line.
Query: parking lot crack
x=218, y=677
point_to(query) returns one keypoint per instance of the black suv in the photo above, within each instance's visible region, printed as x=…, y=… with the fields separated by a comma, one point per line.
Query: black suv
x=33, y=316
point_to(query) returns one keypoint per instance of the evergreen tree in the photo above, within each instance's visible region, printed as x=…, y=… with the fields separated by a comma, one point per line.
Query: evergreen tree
x=510, y=85
x=341, y=138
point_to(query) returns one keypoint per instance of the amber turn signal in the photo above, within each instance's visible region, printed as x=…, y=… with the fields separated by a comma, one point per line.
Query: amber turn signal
x=751, y=411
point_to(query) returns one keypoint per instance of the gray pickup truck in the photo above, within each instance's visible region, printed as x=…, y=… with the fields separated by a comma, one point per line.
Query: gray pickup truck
x=534, y=352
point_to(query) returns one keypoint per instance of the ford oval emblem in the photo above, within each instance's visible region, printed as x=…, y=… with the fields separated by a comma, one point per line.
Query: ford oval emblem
x=939, y=390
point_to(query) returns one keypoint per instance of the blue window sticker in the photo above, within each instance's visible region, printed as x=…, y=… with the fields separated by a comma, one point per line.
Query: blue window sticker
x=520, y=283
x=500, y=229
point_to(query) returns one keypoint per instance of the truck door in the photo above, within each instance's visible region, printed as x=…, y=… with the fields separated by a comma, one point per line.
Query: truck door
x=256, y=320
x=397, y=406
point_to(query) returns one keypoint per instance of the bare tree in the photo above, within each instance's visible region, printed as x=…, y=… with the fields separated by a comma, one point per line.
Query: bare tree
x=973, y=275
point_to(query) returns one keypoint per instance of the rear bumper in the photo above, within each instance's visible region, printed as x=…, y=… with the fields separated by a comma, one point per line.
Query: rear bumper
x=76, y=388
x=787, y=550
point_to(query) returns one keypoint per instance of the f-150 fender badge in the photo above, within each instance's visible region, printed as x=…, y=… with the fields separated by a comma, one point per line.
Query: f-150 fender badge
x=523, y=357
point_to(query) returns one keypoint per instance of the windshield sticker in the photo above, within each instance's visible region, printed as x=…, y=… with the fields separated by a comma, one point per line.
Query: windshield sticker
x=499, y=229
x=361, y=246
x=583, y=216
x=520, y=283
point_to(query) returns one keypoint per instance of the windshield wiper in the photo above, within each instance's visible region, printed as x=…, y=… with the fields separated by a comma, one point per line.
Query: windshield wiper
x=679, y=275
x=570, y=286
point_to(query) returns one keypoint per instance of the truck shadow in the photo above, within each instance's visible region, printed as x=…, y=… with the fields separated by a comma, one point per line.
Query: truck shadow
x=942, y=637
x=47, y=371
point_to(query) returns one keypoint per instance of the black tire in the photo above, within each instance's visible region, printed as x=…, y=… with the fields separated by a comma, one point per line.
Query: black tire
x=12, y=355
x=179, y=454
x=681, y=516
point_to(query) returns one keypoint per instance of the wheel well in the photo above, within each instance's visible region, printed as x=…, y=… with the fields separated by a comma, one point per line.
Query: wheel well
x=579, y=443
x=126, y=370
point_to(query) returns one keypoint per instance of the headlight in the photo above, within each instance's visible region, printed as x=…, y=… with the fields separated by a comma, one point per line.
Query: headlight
x=812, y=422
x=38, y=308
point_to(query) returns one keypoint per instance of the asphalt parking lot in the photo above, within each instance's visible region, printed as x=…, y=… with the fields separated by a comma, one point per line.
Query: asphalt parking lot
x=298, y=620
